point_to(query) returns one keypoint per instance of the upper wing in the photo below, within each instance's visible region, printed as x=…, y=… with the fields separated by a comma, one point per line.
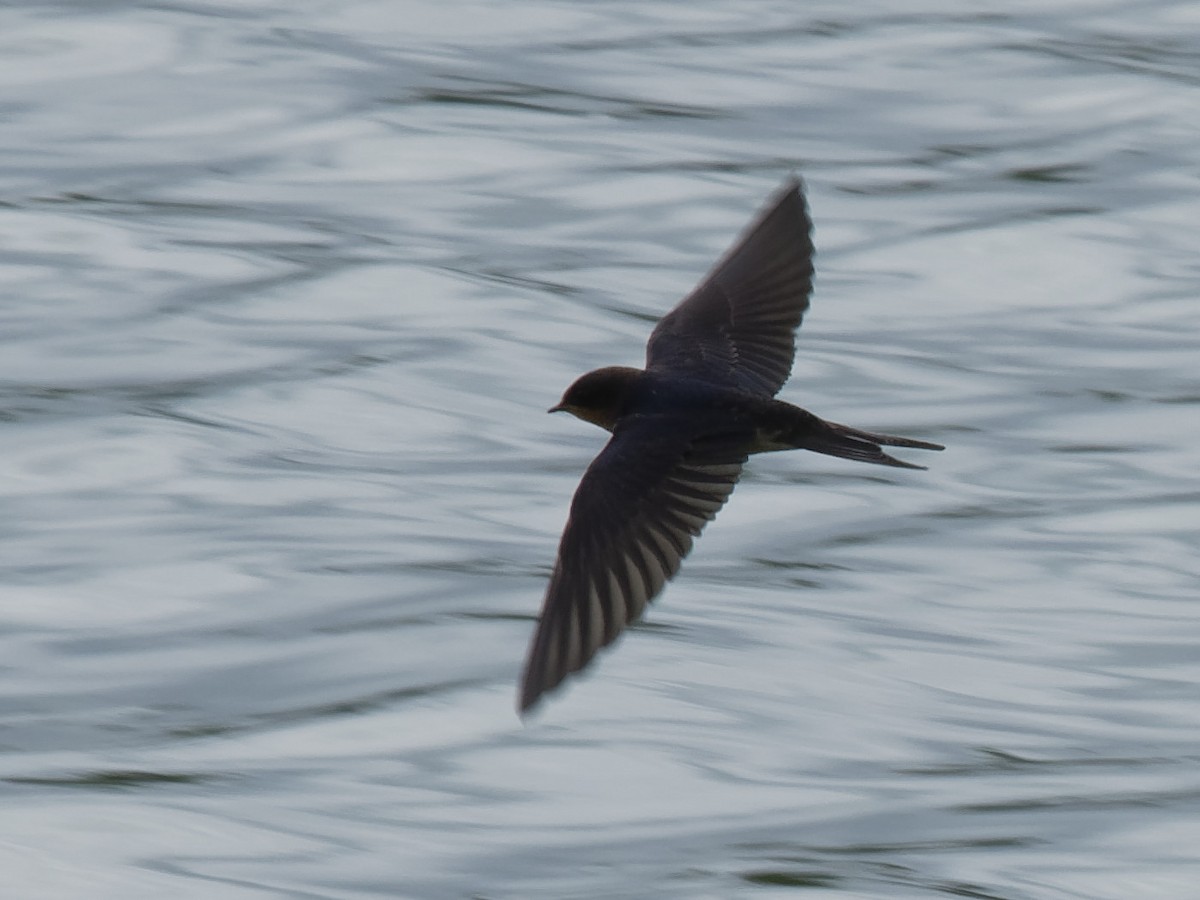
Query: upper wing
x=739, y=326
x=638, y=507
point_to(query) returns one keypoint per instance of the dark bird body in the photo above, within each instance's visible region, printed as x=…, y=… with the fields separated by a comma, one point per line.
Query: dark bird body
x=681, y=430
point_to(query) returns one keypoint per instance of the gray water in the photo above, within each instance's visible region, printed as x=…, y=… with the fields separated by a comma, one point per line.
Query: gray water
x=287, y=289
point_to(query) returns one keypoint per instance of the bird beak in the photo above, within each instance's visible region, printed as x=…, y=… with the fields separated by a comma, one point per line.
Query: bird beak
x=557, y=407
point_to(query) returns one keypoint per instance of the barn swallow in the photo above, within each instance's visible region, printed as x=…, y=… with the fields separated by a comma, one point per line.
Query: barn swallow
x=682, y=428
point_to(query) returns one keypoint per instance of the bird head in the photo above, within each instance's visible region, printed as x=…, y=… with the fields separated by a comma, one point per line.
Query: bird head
x=598, y=397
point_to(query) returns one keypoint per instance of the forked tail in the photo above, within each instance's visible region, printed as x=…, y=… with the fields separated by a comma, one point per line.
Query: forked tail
x=864, y=446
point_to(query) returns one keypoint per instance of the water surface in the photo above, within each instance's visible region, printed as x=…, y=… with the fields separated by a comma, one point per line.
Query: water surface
x=288, y=289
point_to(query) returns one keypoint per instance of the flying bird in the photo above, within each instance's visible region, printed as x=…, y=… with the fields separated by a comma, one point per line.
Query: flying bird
x=682, y=428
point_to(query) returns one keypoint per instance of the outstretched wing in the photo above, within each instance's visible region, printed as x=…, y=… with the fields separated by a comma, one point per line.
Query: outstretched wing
x=738, y=328
x=635, y=514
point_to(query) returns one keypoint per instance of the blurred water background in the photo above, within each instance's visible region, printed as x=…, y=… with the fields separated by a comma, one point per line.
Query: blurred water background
x=287, y=287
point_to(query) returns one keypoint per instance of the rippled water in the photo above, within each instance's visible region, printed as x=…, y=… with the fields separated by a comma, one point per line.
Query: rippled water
x=288, y=287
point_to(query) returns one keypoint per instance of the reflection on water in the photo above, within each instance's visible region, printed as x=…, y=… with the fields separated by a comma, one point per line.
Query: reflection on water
x=288, y=290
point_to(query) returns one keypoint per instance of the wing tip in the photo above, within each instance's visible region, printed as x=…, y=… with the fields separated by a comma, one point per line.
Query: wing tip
x=793, y=189
x=526, y=702
x=540, y=675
